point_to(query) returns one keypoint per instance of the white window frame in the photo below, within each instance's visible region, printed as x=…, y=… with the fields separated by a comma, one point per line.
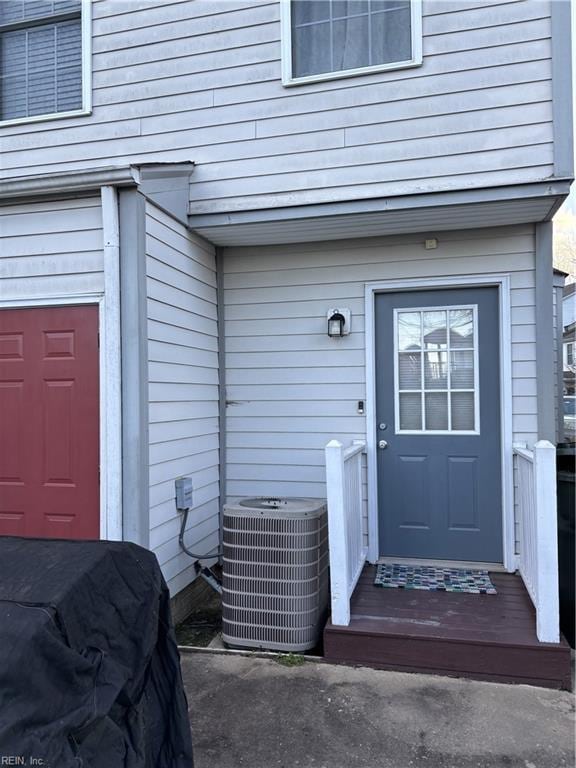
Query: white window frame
x=286, y=43
x=86, y=109
x=423, y=391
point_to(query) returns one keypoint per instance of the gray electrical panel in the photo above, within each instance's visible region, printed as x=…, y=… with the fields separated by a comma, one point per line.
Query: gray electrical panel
x=183, y=493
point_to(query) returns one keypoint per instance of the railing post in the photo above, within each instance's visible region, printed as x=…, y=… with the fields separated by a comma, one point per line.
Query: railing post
x=547, y=608
x=337, y=534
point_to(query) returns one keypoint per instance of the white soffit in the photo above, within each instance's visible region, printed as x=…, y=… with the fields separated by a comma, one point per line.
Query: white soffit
x=373, y=217
x=374, y=224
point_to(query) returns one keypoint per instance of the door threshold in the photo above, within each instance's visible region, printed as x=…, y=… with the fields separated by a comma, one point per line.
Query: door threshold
x=497, y=567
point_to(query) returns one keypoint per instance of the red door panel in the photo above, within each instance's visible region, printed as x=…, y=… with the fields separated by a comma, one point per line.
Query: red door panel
x=49, y=422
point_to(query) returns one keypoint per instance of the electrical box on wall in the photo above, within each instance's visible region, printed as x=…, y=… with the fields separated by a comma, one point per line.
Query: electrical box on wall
x=183, y=493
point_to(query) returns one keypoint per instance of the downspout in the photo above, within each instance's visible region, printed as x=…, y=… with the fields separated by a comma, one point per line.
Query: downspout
x=219, y=253
x=545, y=374
x=558, y=288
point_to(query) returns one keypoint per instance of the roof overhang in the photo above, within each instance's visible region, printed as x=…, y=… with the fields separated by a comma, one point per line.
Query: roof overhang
x=166, y=184
x=430, y=212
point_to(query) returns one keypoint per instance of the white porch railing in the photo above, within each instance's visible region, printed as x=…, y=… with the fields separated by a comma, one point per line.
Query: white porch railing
x=345, y=533
x=536, y=500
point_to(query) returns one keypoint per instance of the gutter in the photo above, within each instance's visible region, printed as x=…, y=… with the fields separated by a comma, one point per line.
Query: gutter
x=68, y=182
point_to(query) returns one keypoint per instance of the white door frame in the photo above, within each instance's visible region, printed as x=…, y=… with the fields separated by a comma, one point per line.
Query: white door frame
x=110, y=471
x=502, y=282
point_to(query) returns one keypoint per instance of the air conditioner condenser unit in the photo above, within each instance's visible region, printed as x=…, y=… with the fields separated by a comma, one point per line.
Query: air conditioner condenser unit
x=275, y=573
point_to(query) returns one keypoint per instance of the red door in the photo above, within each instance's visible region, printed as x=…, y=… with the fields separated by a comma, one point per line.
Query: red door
x=49, y=423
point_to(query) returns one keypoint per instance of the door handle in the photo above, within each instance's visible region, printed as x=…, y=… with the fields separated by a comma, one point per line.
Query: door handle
x=382, y=444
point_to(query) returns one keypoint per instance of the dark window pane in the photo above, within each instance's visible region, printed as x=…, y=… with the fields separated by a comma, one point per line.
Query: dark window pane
x=67, y=6
x=390, y=36
x=350, y=39
x=306, y=11
x=13, y=68
x=462, y=369
x=435, y=370
x=410, y=371
x=435, y=335
x=436, y=404
x=11, y=10
x=463, y=411
x=410, y=411
x=311, y=50
x=341, y=8
x=389, y=5
x=33, y=8
x=409, y=335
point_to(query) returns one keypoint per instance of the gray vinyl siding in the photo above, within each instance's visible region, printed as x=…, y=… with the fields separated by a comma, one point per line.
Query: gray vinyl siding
x=51, y=249
x=291, y=389
x=183, y=390
x=200, y=80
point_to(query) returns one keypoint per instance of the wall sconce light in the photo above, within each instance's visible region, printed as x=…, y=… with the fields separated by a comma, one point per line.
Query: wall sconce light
x=338, y=322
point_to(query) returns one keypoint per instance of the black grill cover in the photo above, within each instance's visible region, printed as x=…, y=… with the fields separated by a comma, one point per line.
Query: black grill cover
x=89, y=668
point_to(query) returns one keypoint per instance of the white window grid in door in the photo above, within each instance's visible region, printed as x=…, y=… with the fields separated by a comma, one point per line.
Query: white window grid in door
x=422, y=390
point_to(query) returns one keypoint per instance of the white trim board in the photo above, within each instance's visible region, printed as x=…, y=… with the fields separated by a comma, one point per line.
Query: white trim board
x=110, y=340
x=502, y=282
x=108, y=471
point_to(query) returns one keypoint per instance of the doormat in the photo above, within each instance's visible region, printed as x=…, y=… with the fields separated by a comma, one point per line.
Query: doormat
x=434, y=579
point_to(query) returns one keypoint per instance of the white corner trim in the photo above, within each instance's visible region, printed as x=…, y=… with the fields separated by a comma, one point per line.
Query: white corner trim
x=111, y=396
x=502, y=282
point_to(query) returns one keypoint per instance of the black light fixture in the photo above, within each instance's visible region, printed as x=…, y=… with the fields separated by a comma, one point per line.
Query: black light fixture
x=336, y=322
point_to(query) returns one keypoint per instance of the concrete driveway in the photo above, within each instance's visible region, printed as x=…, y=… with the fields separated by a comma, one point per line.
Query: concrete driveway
x=255, y=712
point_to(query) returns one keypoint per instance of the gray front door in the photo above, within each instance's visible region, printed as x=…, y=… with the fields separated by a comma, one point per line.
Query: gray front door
x=438, y=413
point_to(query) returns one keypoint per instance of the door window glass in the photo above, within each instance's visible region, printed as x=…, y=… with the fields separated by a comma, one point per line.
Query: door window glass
x=436, y=370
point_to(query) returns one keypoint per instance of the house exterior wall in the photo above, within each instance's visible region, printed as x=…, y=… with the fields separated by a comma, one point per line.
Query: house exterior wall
x=291, y=389
x=569, y=309
x=201, y=80
x=183, y=390
x=51, y=249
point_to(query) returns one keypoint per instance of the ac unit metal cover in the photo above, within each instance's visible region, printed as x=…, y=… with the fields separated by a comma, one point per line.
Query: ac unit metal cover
x=275, y=573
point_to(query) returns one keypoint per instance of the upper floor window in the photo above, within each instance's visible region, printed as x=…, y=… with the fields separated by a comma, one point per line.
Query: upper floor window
x=44, y=59
x=326, y=39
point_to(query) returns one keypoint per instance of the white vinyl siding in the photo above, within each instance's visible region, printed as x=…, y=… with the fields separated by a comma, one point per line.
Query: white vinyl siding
x=183, y=391
x=51, y=249
x=291, y=389
x=201, y=80
x=40, y=58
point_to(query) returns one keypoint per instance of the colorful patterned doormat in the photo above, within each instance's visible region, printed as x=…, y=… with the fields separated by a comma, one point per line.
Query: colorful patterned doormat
x=434, y=579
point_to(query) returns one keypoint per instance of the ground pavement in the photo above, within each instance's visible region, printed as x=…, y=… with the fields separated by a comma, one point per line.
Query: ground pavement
x=257, y=713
